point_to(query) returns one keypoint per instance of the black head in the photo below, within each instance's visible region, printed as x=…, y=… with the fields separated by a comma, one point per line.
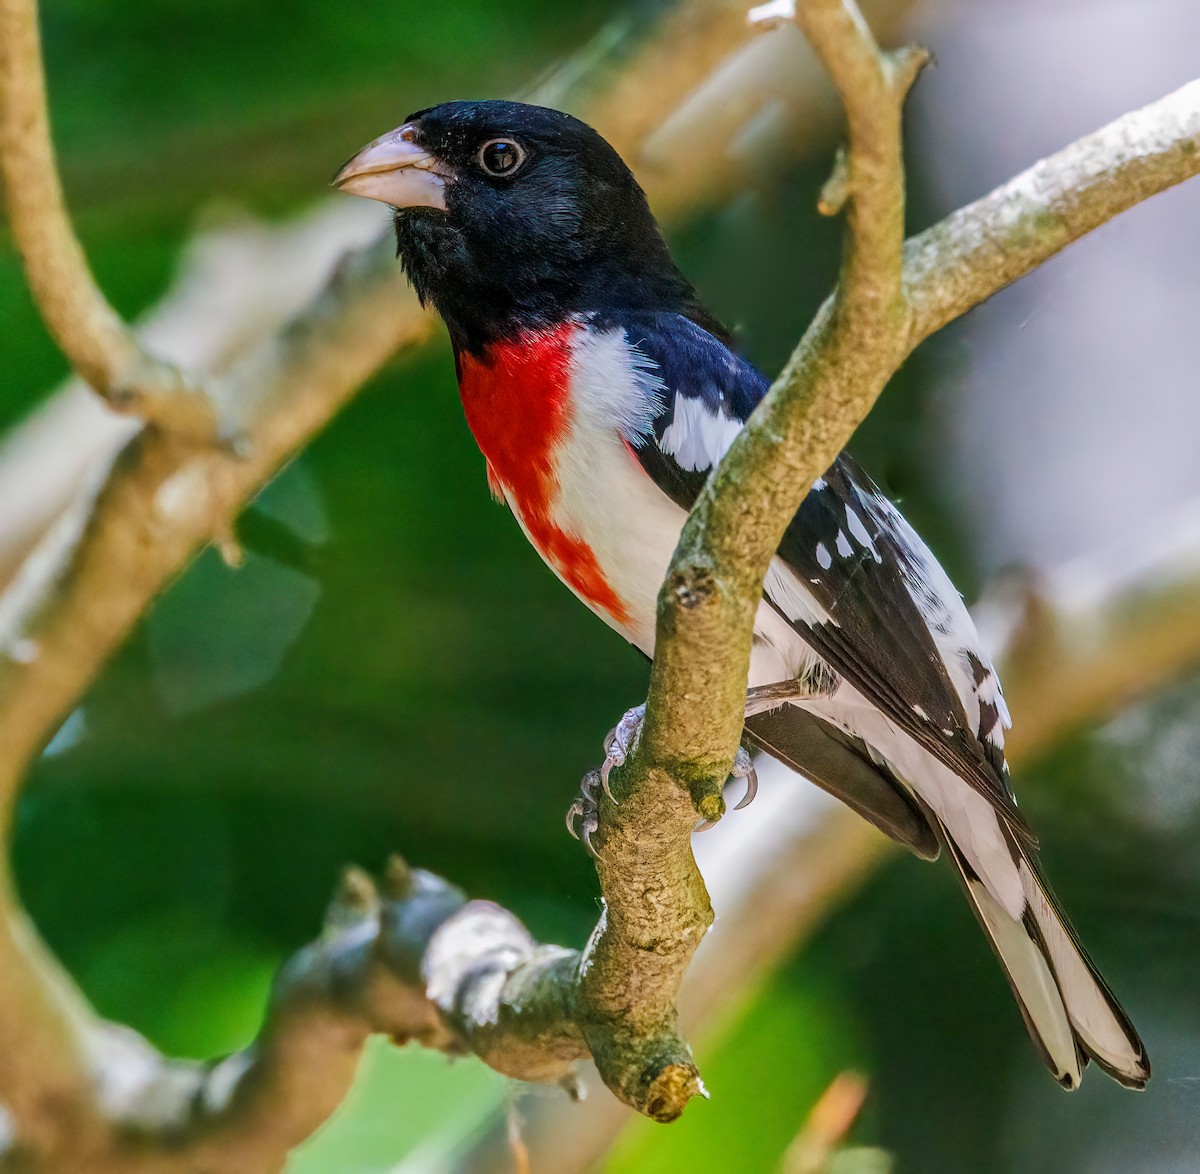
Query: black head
x=510, y=216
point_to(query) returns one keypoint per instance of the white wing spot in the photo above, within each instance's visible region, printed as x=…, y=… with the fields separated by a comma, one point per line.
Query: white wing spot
x=856, y=527
x=698, y=438
x=790, y=595
x=843, y=545
x=823, y=555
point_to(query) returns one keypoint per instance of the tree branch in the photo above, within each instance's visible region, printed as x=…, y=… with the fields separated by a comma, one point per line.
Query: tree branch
x=978, y=250
x=87, y=329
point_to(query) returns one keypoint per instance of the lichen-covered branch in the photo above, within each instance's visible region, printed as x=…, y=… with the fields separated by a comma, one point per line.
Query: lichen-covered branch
x=978, y=250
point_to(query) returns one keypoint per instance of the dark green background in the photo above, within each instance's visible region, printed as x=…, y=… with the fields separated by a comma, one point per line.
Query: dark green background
x=402, y=674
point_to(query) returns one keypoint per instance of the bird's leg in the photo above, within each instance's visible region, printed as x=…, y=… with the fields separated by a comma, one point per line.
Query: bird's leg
x=772, y=696
x=618, y=742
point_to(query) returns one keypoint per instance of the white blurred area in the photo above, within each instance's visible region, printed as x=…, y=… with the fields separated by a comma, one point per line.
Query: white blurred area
x=1070, y=405
x=1070, y=401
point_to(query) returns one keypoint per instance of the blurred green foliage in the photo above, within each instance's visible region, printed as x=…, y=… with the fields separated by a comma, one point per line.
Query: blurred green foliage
x=393, y=670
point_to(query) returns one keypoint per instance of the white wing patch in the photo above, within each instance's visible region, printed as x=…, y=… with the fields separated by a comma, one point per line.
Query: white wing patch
x=697, y=437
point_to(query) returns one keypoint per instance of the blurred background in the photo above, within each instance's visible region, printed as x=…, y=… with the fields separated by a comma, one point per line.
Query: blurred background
x=392, y=669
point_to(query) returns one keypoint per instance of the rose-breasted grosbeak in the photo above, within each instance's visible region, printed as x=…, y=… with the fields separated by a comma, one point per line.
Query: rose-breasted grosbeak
x=602, y=393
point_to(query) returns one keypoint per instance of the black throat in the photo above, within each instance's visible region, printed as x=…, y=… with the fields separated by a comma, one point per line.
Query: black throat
x=487, y=292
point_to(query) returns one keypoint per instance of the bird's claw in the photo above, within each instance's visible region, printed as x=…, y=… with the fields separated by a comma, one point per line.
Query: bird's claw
x=583, y=816
x=618, y=742
x=586, y=812
x=743, y=768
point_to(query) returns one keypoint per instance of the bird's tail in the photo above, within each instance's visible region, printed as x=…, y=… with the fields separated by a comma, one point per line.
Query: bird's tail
x=1071, y=1014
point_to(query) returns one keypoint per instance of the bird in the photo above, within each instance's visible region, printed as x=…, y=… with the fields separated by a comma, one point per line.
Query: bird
x=602, y=393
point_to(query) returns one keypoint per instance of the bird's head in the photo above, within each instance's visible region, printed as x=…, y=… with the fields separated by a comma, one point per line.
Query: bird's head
x=510, y=216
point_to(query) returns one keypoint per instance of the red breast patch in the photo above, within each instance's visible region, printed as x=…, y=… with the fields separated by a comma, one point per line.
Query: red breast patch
x=517, y=402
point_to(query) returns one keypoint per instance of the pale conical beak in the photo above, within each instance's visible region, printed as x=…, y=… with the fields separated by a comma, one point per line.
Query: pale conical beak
x=396, y=171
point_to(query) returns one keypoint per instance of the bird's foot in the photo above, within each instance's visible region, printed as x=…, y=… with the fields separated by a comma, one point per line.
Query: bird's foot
x=583, y=816
x=585, y=811
x=618, y=743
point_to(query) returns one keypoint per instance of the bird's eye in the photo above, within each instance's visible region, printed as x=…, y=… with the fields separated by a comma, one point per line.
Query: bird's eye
x=501, y=156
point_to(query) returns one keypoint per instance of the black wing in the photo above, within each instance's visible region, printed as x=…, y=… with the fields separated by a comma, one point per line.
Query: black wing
x=897, y=631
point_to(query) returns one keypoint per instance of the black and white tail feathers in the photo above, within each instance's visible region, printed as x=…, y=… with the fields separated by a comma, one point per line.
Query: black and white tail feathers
x=1071, y=1014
